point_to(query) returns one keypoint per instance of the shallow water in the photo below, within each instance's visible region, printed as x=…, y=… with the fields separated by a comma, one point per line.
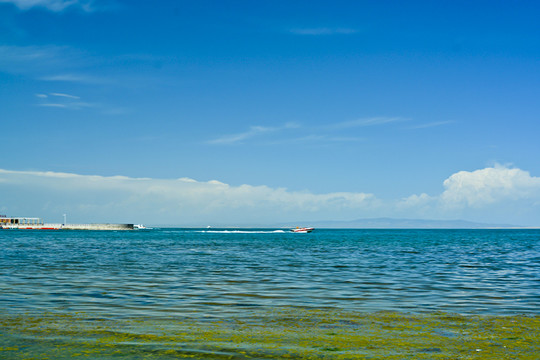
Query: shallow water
x=74, y=292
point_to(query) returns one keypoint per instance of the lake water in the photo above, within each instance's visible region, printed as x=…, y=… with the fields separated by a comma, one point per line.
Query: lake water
x=188, y=292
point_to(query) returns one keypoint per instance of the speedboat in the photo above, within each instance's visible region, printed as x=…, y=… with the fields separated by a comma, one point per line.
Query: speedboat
x=139, y=227
x=302, y=229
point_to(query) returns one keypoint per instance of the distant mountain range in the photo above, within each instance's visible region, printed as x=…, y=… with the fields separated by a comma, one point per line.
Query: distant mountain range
x=371, y=223
x=390, y=223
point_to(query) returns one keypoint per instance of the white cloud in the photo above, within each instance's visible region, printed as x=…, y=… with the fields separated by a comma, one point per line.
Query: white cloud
x=39, y=62
x=432, y=124
x=69, y=105
x=494, y=195
x=53, y=105
x=234, y=138
x=498, y=194
x=488, y=186
x=252, y=132
x=52, y=5
x=318, y=134
x=64, y=101
x=374, y=121
x=172, y=201
x=65, y=95
x=75, y=78
x=16, y=57
x=415, y=201
x=52, y=63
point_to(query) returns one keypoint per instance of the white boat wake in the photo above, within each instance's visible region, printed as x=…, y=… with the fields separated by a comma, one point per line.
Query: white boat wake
x=241, y=231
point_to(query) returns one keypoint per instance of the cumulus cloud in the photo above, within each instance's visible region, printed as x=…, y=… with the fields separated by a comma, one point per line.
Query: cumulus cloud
x=168, y=201
x=498, y=194
x=415, y=201
x=495, y=194
x=52, y=5
x=489, y=186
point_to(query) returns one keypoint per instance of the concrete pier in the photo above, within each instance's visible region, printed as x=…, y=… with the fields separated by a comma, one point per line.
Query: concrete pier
x=31, y=223
x=97, y=227
x=68, y=227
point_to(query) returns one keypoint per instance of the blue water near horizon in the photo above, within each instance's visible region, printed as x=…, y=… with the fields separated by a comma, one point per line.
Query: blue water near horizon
x=229, y=272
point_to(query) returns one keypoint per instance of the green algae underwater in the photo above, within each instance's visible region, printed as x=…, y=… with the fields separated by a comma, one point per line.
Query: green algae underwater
x=290, y=333
x=268, y=294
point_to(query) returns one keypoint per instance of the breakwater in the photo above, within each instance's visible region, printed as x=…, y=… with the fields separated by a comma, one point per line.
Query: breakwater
x=97, y=227
x=34, y=223
x=46, y=226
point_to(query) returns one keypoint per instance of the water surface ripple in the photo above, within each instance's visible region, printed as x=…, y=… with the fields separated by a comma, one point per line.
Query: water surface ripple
x=163, y=272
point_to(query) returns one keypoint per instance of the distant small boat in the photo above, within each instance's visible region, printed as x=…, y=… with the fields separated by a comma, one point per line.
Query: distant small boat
x=302, y=229
x=139, y=227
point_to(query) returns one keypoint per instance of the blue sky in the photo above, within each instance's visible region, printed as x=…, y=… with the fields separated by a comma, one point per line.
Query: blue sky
x=274, y=110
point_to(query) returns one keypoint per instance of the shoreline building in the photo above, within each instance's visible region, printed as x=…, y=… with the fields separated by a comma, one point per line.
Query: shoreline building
x=20, y=221
x=32, y=223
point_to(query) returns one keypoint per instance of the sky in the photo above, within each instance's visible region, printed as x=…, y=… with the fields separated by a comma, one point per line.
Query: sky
x=196, y=113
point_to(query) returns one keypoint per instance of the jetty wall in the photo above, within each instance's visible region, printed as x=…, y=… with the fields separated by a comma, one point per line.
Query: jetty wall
x=97, y=227
x=49, y=226
x=38, y=224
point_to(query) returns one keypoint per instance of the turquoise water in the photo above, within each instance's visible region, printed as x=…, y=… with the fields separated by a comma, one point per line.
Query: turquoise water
x=174, y=278
x=164, y=271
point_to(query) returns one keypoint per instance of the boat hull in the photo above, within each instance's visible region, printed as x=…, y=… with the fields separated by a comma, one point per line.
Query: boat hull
x=302, y=230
